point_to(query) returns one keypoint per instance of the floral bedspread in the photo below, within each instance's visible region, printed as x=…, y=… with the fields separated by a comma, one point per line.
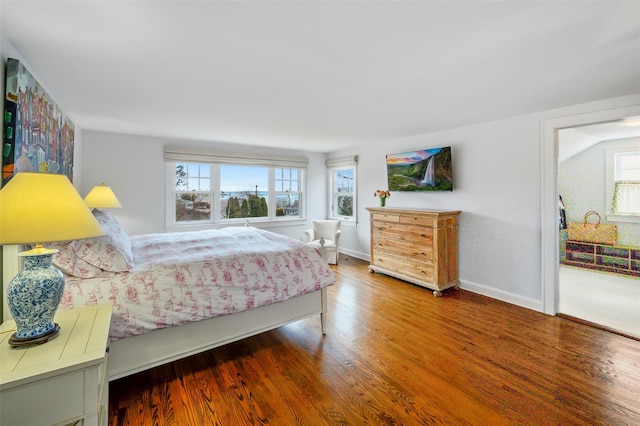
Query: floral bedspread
x=184, y=277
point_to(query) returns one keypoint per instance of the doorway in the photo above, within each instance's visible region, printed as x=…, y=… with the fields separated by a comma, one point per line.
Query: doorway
x=612, y=110
x=603, y=299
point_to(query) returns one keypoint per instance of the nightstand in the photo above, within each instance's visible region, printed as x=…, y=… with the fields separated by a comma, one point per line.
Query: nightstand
x=63, y=381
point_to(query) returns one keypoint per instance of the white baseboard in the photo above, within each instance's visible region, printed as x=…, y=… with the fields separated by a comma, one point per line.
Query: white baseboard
x=355, y=254
x=484, y=290
x=505, y=296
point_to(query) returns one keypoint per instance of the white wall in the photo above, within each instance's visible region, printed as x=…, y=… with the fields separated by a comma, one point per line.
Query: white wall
x=496, y=173
x=582, y=186
x=134, y=167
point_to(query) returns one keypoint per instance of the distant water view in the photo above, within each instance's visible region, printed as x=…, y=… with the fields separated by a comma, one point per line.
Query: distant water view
x=243, y=192
x=225, y=195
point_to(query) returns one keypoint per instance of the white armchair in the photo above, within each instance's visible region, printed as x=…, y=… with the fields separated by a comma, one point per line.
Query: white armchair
x=329, y=231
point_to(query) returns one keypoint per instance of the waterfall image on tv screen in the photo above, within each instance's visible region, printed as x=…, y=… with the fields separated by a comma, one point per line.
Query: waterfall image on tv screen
x=424, y=170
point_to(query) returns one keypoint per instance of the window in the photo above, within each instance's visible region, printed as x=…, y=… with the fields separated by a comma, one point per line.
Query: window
x=206, y=188
x=244, y=191
x=626, y=191
x=192, y=192
x=287, y=191
x=623, y=184
x=342, y=188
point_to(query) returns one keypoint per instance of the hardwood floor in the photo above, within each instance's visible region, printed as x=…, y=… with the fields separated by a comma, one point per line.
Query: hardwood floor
x=396, y=355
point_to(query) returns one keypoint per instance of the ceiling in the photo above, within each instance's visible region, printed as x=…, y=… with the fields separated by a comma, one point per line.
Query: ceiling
x=574, y=140
x=620, y=129
x=320, y=75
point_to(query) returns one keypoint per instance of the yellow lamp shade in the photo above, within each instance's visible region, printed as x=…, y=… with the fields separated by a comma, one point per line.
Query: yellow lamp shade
x=42, y=207
x=102, y=197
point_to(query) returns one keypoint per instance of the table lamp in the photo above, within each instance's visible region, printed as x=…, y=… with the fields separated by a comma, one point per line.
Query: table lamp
x=102, y=197
x=37, y=208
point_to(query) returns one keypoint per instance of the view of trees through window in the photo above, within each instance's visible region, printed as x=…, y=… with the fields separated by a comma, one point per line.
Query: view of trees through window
x=343, y=191
x=244, y=191
x=287, y=191
x=247, y=205
x=193, y=192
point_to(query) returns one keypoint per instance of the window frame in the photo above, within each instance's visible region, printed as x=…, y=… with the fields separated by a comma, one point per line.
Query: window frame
x=610, y=180
x=198, y=155
x=273, y=192
x=176, y=192
x=333, y=166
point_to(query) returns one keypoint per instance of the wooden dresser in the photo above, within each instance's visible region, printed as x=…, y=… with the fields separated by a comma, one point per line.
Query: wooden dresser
x=419, y=246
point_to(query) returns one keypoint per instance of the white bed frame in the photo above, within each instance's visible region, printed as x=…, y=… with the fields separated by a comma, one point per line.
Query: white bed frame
x=139, y=353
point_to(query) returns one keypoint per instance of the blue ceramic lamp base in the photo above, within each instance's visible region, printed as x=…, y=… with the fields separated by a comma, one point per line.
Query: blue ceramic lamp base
x=33, y=297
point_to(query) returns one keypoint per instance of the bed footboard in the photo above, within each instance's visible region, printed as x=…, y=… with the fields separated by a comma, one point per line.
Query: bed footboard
x=139, y=353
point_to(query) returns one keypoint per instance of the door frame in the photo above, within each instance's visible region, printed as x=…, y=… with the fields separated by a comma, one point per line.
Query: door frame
x=550, y=238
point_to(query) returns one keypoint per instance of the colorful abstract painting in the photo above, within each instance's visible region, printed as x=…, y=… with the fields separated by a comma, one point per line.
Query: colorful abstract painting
x=37, y=135
x=424, y=170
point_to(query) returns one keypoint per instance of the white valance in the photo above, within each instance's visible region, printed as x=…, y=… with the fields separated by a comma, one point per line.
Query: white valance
x=342, y=161
x=202, y=154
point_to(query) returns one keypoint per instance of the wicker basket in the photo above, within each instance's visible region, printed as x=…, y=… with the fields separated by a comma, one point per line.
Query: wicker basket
x=593, y=232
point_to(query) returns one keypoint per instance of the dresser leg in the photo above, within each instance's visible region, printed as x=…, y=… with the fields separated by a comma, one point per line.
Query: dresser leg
x=437, y=293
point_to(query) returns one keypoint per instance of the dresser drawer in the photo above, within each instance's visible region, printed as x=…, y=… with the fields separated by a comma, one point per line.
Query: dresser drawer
x=422, y=271
x=400, y=232
x=409, y=249
x=385, y=217
x=418, y=220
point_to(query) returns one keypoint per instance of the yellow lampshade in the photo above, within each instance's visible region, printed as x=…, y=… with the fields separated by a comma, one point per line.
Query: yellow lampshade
x=102, y=197
x=42, y=207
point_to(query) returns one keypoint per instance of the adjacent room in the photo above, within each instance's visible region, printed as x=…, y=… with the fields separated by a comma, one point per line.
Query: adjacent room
x=320, y=212
x=599, y=288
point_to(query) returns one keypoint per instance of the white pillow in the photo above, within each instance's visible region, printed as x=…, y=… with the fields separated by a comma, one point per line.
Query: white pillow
x=112, y=251
x=67, y=261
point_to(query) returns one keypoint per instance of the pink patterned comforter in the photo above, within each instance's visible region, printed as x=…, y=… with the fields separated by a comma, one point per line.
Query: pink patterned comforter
x=185, y=277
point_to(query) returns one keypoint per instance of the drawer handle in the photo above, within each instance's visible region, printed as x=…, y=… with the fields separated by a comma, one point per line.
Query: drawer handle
x=422, y=235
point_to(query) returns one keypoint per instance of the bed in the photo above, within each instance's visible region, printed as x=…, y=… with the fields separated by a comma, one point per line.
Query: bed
x=178, y=294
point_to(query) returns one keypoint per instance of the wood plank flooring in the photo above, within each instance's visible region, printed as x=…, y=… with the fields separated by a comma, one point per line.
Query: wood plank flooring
x=396, y=355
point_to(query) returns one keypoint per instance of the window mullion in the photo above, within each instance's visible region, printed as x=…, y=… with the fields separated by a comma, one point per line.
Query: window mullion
x=214, y=184
x=272, y=193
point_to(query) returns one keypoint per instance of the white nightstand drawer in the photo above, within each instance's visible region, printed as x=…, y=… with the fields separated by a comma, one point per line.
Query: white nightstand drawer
x=25, y=405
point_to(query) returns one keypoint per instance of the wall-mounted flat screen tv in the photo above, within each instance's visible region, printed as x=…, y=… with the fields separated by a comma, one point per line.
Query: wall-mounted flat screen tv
x=424, y=170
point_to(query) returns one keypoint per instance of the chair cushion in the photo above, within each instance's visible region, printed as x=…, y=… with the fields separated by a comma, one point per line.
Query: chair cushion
x=327, y=244
x=326, y=228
